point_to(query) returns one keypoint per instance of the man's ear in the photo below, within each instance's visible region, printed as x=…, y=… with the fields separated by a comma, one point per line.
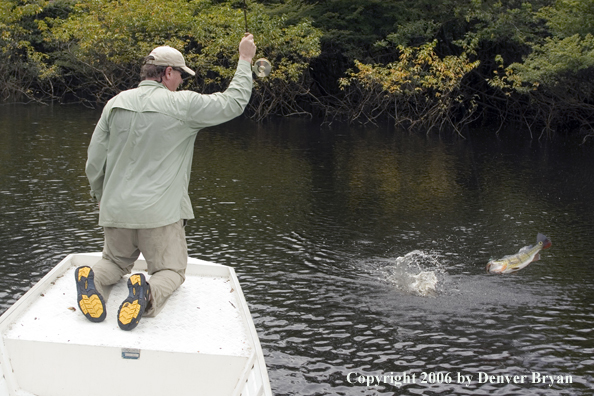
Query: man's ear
x=168, y=72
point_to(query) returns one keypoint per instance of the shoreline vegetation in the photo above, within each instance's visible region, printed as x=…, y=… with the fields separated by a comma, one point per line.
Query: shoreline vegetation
x=425, y=65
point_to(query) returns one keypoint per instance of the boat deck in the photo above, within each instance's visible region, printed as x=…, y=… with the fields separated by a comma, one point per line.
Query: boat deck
x=201, y=316
x=202, y=342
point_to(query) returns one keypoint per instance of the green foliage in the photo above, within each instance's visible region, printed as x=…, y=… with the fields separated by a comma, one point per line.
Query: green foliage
x=424, y=88
x=423, y=62
x=104, y=41
x=555, y=64
x=91, y=50
x=569, y=17
x=21, y=65
x=418, y=70
x=350, y=27
x=557, y=75
x=422, y=30
x=501, y=24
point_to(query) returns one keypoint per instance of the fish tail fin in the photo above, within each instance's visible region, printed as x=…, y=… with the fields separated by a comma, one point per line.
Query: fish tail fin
x=546, y=242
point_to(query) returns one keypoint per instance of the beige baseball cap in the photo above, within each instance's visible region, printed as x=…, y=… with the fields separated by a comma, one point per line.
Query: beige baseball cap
x=169, y=56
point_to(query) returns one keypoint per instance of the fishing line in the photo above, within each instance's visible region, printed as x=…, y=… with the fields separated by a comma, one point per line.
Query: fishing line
x=262, y=66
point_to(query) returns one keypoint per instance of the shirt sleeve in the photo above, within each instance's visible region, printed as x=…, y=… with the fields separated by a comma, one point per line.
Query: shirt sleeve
x=97, y=155
x=214, y=109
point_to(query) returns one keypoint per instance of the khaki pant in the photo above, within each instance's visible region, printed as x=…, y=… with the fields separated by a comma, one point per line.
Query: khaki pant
x=166, y=254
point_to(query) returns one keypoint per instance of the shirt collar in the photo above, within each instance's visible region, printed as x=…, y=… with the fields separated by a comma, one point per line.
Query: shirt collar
x=151, y=83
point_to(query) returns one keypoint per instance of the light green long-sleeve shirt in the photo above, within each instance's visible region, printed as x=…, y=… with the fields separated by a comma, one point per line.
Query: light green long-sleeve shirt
x=140, y=154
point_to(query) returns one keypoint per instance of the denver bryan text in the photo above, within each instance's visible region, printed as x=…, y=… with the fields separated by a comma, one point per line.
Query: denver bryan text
x=534, y=378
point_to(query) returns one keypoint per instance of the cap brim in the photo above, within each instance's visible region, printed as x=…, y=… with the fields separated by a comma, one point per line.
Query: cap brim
x=188, y=70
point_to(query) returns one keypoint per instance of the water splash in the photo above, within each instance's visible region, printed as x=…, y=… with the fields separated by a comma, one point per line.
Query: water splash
x=415, y=273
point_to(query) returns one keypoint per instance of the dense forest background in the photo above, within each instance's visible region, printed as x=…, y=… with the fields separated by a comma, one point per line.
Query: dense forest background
x=426, y=64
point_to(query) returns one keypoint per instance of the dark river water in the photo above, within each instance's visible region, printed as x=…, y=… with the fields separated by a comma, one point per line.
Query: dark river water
x=331, y=230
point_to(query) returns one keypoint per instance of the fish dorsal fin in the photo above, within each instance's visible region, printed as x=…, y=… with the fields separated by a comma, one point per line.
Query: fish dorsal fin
x=525, y=249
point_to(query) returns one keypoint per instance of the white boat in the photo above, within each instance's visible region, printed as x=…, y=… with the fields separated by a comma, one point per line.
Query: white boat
x=202, y=343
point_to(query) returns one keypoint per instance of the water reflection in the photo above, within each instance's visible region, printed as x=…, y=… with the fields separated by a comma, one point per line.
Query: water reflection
x=313, y=220
x=45, y=213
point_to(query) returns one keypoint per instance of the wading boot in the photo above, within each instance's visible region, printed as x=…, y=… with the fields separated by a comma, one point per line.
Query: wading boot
x=135, y=304
x=90, y=302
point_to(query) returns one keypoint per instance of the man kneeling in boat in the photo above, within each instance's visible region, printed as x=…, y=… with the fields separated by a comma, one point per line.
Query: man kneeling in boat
x=138, y=166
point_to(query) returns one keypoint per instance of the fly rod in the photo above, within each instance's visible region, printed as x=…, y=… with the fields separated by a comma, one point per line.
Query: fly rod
x=262, y=66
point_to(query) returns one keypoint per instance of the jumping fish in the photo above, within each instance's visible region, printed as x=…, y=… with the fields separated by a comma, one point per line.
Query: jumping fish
x=525, y=256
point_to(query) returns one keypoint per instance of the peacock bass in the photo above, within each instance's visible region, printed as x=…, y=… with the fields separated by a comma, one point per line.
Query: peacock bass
x=525, y=256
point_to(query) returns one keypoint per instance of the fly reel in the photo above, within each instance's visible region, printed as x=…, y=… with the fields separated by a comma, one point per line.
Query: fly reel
x=261, y=67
